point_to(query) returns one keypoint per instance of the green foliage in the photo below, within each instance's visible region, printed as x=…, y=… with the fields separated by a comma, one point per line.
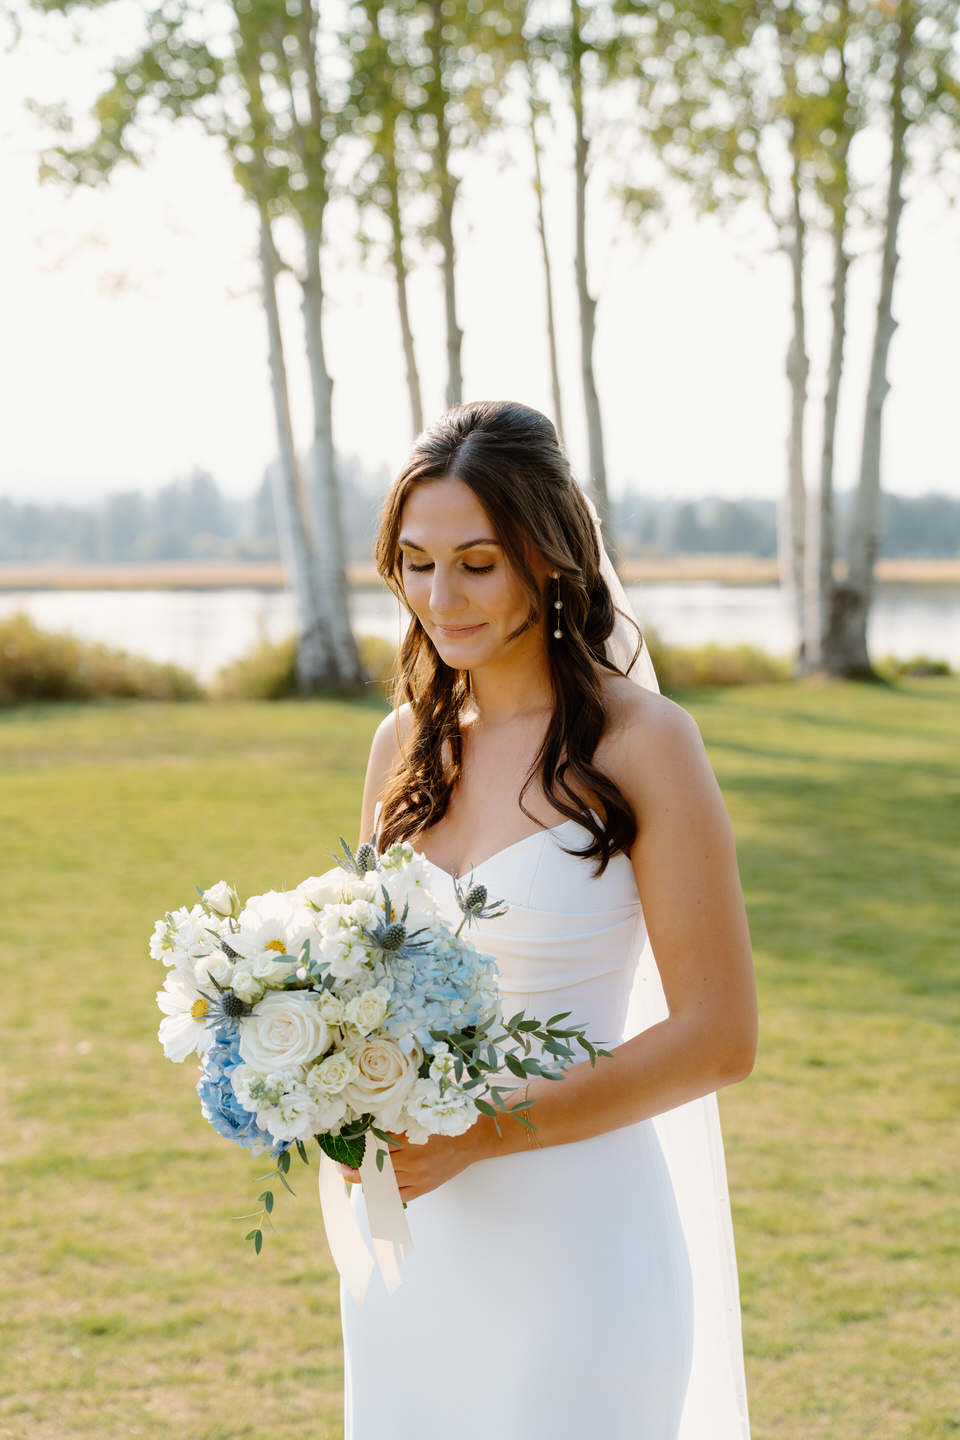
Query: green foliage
x=344, y=1149
x=37, y=665
x=680, y=668
x=919, y=668
x=270, y=671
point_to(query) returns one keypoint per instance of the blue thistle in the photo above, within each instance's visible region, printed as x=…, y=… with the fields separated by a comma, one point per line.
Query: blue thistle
x=474, y=904
x=365, y=859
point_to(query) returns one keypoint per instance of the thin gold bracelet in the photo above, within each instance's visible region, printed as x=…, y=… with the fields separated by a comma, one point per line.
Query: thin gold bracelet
x=533, y=1140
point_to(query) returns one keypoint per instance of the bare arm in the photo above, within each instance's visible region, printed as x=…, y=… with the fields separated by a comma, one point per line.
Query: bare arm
x=686, y=868
x=383, y=756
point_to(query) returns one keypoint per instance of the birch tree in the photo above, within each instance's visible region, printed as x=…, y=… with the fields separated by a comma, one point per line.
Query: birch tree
x=730, y=117
x=577, y=47
x=918, y=84
x=840, y=120
x=379, y=112
x=537, y=111
x=257, y=86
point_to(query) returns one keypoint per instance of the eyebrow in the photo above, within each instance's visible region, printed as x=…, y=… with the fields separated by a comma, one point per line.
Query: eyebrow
x=457, y=549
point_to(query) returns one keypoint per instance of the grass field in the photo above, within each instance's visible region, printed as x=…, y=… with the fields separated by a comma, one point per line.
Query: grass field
x=132, y=1305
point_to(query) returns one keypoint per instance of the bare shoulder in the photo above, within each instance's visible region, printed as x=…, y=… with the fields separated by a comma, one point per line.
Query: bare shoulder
x=650, y=742
x=384, y=751
x=644, y=718
x=392, y=730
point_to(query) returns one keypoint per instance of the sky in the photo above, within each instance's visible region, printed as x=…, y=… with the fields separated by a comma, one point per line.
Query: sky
x=134, y=347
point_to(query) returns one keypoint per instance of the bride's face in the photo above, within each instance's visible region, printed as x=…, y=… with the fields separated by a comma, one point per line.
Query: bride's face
x=457, y=579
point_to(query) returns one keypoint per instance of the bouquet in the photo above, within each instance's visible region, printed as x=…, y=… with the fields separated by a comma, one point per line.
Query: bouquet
x=346, y=1008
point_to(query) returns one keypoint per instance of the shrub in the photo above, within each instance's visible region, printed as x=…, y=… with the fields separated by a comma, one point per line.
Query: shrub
x=38, y=665
x=679, y=668
x=270, y=671
x=919, y=668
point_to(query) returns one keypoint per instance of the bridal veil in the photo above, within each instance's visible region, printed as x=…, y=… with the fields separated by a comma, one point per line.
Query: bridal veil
x=690, y=1136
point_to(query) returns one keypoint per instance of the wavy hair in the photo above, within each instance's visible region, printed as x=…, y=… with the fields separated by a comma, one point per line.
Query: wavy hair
x=512, y=460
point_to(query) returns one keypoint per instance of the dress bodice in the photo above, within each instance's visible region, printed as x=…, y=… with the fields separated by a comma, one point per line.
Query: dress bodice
x=569, y=939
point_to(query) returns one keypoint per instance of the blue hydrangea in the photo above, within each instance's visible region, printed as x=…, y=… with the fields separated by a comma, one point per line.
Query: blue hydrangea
x=221, y=1106
x=446, y=985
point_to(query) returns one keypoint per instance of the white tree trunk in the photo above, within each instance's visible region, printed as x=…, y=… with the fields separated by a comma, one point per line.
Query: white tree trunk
x=406, y=330
x=454, y=333
x=845, y=648
x=821, y=528
x=792, y=529
x=447, y=186
x=329, y=557
x=587, y=304
x=542, y=228
x=313, y=655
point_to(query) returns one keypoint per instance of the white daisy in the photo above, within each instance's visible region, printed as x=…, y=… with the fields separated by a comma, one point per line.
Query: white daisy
x=184, y=1028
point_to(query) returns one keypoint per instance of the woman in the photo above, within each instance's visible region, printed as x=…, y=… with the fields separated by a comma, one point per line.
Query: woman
x=552, y=1292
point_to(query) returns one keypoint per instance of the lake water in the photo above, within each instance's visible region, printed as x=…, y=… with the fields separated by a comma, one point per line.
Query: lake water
x=204, y=629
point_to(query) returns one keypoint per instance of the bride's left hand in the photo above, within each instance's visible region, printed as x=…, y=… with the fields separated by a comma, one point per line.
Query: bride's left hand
x=422, y=1168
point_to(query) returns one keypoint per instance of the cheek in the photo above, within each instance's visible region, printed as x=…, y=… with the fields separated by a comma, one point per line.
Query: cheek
x=416, y=590
x=512, y=599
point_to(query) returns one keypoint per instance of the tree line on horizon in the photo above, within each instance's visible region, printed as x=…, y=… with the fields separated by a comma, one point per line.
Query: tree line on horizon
x=193, y=519
x=767, y=102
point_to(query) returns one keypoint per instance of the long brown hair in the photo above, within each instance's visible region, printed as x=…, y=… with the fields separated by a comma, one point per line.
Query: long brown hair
x=512, y=460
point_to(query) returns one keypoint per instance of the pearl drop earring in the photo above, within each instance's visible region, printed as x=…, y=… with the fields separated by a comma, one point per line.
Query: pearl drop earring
x=558, y=606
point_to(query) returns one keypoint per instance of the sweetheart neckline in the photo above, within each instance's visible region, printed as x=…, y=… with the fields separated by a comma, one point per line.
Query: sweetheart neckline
x=536, y=835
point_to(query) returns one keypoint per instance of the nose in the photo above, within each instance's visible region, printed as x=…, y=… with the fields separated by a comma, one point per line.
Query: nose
x=445, y=594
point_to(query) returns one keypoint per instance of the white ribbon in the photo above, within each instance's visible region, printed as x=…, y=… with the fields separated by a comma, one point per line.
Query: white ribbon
x=389, y=1232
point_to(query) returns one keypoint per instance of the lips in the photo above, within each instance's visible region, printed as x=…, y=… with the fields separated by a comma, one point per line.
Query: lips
x=456, y=631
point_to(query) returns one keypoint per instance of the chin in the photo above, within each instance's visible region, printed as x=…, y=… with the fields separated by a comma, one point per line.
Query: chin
x=463, y=654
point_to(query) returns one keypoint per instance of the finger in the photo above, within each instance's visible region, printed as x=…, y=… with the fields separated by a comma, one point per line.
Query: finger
x=350, y=1174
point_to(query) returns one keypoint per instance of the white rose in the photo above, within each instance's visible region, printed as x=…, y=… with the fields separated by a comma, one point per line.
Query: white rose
x=245, y=985
x=331, y=888
x=332, y=1074
x=265, y=968
x=385, y=1079
x=368, y=1011
x=286, y=1029
x=216, y=967
x=223, y=899
x=331, y=1008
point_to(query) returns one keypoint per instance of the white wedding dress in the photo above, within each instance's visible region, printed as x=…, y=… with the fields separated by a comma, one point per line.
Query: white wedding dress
x=584, y=1291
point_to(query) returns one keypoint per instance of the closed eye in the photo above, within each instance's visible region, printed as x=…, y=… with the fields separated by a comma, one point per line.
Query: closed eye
x=422, y=569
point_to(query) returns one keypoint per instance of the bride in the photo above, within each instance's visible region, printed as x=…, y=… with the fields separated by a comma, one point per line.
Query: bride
x=574, y=1281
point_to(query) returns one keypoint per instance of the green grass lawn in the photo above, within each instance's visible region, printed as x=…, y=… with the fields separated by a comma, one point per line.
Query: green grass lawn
x=132, y=1305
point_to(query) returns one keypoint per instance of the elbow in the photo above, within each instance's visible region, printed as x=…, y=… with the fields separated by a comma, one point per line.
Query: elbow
x=737, y=1061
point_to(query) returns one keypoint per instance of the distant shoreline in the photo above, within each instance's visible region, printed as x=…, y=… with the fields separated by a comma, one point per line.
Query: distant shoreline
x=268, y=575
